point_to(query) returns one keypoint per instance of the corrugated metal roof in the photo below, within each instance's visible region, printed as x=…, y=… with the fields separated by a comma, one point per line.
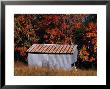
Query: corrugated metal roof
x=50, y=48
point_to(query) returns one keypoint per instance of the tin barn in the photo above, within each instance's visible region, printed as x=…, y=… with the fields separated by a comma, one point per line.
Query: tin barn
x=52, y=55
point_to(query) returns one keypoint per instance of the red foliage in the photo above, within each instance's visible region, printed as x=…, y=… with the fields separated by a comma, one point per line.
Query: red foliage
x=54, y=29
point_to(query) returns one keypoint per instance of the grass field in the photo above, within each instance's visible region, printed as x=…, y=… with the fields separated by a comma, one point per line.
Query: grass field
x=21, y=69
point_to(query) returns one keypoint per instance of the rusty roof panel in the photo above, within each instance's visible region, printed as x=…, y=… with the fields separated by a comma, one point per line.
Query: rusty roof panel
x=51, y=48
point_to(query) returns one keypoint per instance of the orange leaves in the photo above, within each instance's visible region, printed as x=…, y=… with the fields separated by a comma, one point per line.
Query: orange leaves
x=56, y=18
x=21, y=18
x=84, y=55
x=77, y=25
x=83, y=51
x=94, y=41
x=21, y=50
x=54, y=31
x=64, y=17
x=48, y=17
x=65, y=26
x=92, y=26
x=67, y=40
x=95, y=48
x=90, y=34
x=28, y=26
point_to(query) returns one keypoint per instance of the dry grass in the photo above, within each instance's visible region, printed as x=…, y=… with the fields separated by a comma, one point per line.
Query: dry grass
x=23, y=70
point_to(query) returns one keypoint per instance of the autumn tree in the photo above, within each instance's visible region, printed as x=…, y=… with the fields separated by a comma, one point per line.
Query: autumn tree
x=80, y=29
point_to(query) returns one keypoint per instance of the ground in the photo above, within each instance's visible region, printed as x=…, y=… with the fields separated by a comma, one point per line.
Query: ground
x=21, y=69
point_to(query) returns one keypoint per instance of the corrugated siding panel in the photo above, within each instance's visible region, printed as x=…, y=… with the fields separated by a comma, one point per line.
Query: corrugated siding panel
x=50, y=60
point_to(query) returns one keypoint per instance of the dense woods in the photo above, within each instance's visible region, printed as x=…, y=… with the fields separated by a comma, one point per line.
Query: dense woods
x=80, y=29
